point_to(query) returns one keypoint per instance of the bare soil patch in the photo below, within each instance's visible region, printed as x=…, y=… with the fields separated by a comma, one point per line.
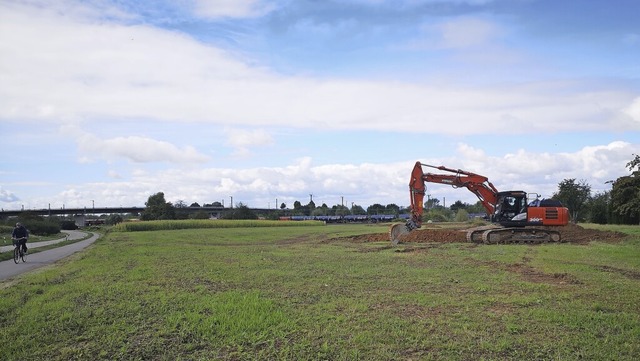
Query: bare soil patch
x=571, y=233
x=625, y=272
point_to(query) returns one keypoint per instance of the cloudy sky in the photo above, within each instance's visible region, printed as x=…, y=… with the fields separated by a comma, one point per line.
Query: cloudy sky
x=107, y=102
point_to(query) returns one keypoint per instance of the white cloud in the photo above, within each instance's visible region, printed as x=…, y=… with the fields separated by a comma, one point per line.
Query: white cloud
x=466, y=32
x=114, y=174
x=242, y=139
x=7, y=196
x=84, y=63
x=633, y=110
x=59, y=68
x=231, y=8
x=541, y=172
x=137, y=149
x=362, y=184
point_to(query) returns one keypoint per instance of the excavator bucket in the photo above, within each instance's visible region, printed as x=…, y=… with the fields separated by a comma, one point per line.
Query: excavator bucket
x=396, y=232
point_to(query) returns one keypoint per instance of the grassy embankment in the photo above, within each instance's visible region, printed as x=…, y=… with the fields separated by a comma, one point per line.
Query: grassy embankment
x=300, y=293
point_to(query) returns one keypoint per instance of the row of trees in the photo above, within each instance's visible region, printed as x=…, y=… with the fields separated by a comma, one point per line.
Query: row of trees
x=619, y=205
x=157, y=208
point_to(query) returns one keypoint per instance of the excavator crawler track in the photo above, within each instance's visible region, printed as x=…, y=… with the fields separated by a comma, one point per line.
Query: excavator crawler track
x=519, y=236
x=474, y=235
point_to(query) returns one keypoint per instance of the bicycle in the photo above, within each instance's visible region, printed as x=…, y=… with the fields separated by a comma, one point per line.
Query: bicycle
x=18, y=253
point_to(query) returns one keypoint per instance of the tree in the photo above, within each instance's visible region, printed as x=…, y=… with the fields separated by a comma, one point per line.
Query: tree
x=241, y=211
x=319, y=212
x=476, y=208
x=573, y=195
x=438, y=214
x=283, y=206
x=195, y=204
x=158, y=208
x=599, y=208
x=625, y=195
x=180, y=210
x=431, y=203
x=356, y=209
x=340, y=210
x=392, y=208
x=458, y=205
x=375, y=209
x=114, y=219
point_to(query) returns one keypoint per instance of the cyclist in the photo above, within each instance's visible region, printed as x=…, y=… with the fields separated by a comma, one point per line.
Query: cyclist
x=20, y=235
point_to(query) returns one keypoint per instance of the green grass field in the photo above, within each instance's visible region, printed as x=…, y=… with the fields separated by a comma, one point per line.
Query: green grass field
x=308, y=293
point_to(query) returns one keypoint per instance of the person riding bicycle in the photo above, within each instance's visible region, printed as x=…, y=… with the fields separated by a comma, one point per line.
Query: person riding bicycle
x=20, y=235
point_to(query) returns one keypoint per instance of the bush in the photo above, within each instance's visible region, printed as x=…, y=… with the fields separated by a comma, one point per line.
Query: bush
x=114, y=219
x=6, y=229
x=240, y=212
x=34, y=224
x=439, y=214
x=462, y=215
x=199, y=215
x=42, y=228
x=68, y=225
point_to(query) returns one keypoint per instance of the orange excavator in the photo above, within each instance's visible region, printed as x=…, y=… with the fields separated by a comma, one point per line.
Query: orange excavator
x=514, y=217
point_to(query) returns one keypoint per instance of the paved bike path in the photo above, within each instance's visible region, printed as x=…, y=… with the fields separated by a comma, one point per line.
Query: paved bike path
x=8, y=269
x=71, y=235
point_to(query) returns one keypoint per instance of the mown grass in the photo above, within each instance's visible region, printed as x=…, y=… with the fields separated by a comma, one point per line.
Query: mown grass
x=300, y=293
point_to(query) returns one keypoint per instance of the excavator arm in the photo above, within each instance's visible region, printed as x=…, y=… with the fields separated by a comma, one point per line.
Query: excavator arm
x=457, y=178
x=477, y=184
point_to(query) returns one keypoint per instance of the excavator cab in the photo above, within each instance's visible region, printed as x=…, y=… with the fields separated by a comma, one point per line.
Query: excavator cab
x=511, y=208
x=514, y=210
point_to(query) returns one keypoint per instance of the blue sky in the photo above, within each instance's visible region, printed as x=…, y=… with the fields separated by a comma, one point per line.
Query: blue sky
x=109, y=102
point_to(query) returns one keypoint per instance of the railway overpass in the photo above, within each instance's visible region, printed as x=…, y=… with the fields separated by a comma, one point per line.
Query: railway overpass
x=82, y=215
x=65, y=211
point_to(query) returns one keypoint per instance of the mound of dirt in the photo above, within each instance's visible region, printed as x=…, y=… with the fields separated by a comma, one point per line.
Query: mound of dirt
x=577, y=234
x=570, y=233
x=418, y=236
